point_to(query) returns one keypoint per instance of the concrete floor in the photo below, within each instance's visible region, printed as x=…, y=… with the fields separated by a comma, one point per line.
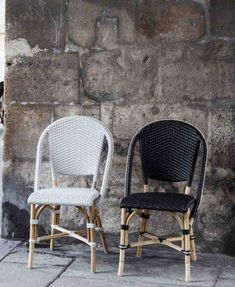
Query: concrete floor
x=69, y=266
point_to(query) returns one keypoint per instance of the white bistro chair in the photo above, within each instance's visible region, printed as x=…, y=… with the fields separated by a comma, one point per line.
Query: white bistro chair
x=75, y=147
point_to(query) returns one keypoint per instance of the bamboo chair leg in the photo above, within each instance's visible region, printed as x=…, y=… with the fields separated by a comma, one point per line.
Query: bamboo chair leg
x=92, y=237
x=53, y=222
x=192, y=245
x=88, y=229
x=31, y=236
x=123, y=242
x=143, y=225
x=187, y=247
x=102, y=234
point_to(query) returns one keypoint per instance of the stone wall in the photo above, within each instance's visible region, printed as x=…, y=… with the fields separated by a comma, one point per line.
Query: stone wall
x=125, y=62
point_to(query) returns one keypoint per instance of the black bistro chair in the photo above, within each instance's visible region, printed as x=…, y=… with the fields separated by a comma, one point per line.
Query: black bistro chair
x=169, y=150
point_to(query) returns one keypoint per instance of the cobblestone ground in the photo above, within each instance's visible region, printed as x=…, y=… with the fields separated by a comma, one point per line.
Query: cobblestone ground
x=69, y=266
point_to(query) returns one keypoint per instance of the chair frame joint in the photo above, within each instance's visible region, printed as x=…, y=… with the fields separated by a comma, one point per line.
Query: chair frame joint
x=123, y=246
x=124, y=226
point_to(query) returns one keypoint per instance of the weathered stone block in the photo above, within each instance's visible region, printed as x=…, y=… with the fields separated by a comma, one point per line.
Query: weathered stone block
x=41, y=23
x=107, y=32
x=216, y=224
x=222, y=18
x=19, y=47
x=213, y=50
x=195, y=79
x=172, y=20
x=77, y=110
x=120, y=74
x=24, y=125
x=44, y=78
x=223, y=139
x=128, y=119
x=83, y=16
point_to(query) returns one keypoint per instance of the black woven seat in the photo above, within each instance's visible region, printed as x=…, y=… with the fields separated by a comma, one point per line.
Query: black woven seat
x=158, y=201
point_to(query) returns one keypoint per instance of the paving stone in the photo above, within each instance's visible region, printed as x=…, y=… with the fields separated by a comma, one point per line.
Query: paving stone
x=148, y=269
x=14, y=270
x=225, y=283
x=70, y=265
x=6, y=247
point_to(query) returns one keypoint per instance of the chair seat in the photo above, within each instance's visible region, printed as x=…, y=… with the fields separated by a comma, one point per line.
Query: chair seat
x=175, y=202
x=64, y=196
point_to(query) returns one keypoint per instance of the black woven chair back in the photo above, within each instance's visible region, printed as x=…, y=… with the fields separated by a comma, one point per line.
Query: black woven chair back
x=169, y=150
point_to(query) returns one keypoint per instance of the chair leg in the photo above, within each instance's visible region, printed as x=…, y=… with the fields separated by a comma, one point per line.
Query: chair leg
x=192, y=245
x=102, y=234
x=123, y=242
x=31, y=236
x=187, y=246
x=53, y=222
x=92, y=237
x=143, y=225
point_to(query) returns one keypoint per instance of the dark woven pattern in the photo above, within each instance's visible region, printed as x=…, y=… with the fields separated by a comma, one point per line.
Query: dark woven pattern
x=169, y=151
x=158, y=201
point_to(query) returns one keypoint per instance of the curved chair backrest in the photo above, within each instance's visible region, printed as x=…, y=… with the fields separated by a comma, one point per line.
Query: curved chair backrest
x=75, y=145
x=169, y=151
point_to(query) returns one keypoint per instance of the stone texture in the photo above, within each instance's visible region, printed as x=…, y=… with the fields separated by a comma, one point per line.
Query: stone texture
x=107, y=32
x=19, y=47
x=172, y=20
x=128, y=119
x=223, y=140
x=14, y=269
x=217, y=225
x=68, y=265
x=44, y=78
x=41, y=23
x=222, y=18
x=213, y=50
x=195, y=79
x=24, y=126
x=115, y=75
x=7, y=247
x=83, y=15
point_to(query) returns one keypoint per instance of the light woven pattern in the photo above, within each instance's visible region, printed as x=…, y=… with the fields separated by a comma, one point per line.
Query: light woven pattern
x=64, y=196
x=169, y=151
x=75, y=148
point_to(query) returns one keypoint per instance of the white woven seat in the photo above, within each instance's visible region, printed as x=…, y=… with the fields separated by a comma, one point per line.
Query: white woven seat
x=64, y=196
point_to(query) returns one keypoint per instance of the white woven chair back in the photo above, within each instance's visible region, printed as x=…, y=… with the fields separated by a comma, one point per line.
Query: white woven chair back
x=75, y=145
